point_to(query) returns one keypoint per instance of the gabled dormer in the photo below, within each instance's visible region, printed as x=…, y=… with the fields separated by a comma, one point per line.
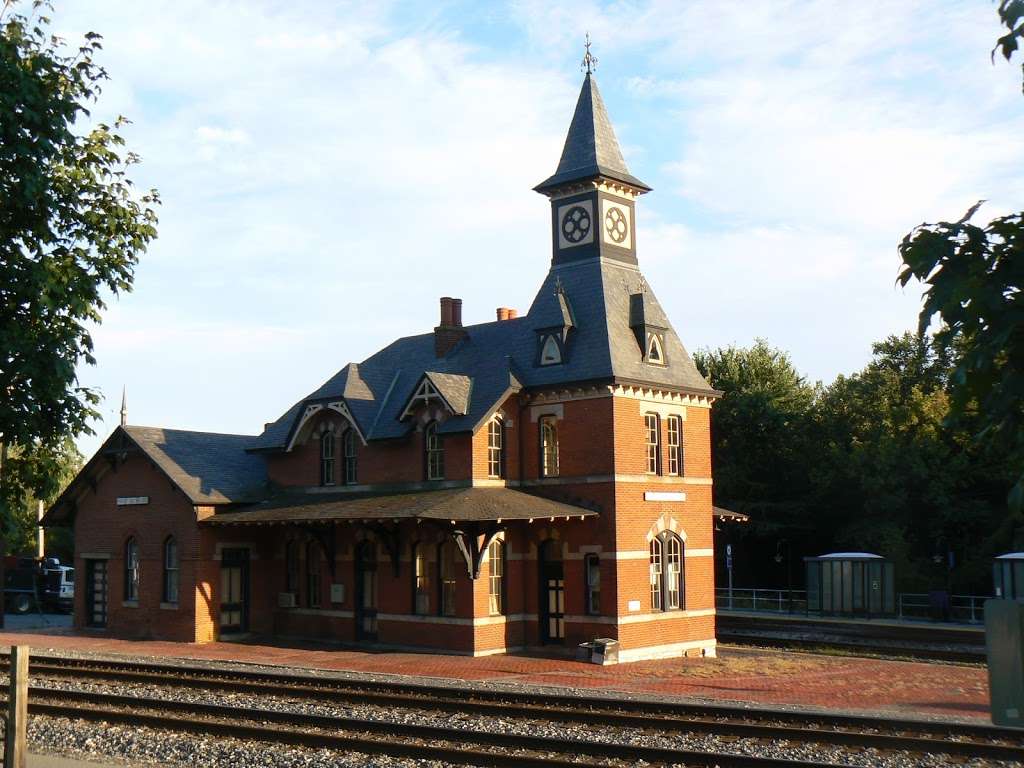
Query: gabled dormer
x=438, y=396
x=553, y=340
x=649, y=327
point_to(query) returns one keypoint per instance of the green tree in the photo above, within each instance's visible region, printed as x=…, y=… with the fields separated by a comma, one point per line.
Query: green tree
x=71, y=229
x=1011, y=14
x=891, y=476
x=759, y=433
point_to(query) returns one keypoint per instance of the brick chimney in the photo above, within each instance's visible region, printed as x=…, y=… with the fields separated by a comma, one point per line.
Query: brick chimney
x=450, y=331
x=505, y=313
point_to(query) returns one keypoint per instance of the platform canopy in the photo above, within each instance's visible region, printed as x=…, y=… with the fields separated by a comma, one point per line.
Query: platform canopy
x=449, y=504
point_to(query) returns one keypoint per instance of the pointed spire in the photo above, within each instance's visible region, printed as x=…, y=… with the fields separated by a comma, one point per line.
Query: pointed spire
x=124, y=406
x=591, y=149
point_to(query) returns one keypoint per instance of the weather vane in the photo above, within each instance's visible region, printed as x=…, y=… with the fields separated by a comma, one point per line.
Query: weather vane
x=589, y=63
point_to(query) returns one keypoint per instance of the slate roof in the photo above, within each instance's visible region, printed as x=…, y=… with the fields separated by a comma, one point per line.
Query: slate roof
x=208, y=467
x=455, y=389
x=591, y=149
x=459, y=504
x=498, y=358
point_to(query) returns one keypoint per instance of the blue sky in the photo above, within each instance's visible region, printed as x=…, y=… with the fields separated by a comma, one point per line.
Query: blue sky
x=329, y=170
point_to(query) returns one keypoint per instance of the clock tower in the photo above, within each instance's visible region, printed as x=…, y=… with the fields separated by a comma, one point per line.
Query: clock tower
x=593, y=195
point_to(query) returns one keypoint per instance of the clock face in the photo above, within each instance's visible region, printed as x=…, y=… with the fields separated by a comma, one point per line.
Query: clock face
x=576, y=224
x=615, y=225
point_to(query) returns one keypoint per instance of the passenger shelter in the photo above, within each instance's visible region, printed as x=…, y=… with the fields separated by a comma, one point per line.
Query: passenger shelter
x=850, y=583
x=1008, y=576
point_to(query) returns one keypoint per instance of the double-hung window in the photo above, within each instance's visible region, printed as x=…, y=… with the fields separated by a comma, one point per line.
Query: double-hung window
x=348, y=443
x=675, y=445
x=667, y=573
x=327, y=458
x=496, y=576
x=434, y=453
x=495, y=449
x=652, y=439
x=170, y=592
x=131, y=570
x=548, y=446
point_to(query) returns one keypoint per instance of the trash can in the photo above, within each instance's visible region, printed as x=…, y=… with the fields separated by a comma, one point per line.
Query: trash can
x=606, y=651
x=585, y=652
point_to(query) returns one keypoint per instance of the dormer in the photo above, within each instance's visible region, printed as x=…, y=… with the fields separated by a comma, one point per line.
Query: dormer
x=437, y=397
x=649, y=327
x=553, y=340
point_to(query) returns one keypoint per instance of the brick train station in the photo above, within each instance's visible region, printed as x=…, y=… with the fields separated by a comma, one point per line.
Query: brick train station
x=542, y=479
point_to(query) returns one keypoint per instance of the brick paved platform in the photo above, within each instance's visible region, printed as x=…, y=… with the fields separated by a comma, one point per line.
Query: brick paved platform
x=765, y=677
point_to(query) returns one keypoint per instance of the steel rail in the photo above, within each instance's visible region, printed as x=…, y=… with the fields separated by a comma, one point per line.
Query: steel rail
x=474, y=699
x=322, y=731
x=577, y=715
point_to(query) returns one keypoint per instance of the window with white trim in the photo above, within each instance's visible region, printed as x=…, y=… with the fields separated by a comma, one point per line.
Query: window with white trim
x=348, y=442
x=496, y=577
x=131, y=570
x=652, y=439
x=548, y=446
x=675, y=445
x=170, y=591
x=421, y=579
x=655, y=353
x=668, y=572
x=550, y=352
x=434, y=447
x=327, y=458
x=495, y=448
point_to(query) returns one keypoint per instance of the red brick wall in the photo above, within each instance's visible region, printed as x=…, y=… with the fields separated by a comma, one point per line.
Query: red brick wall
x=103, y=528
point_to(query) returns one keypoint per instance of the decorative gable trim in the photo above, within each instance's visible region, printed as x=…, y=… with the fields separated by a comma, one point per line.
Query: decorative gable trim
x=424, y=394
x=312, y=409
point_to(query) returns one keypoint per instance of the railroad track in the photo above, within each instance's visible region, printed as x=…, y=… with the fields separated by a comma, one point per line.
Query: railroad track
x=786, y=642
x=926, y=641
x=732, y=722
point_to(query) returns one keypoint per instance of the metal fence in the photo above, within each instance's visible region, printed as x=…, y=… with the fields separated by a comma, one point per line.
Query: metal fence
x=773, y=600
x=962, y=609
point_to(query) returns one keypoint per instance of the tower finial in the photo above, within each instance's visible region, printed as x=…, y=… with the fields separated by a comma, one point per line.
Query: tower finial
x=124, y=406
x=589, y=63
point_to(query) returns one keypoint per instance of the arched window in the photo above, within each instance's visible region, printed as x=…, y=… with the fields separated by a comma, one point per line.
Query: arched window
x=291, y=567
x=435, y=452
x=131, y=570
x=668, y=573
x=592, y=577
x=348, y=441
x=548, y=446
x=448, y=564
x=675, y=445
x=550, y=354
x=495, y=448
x=652, y=438
x=496, y=576
x=313, y=574
x=170, y=594
x=327, y=458
x=421, y=579
x=655, y=354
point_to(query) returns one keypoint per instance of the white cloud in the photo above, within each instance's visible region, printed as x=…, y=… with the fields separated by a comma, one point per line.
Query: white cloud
x=329, y=170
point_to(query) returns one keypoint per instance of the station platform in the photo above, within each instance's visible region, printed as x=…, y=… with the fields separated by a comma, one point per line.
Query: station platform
x=766, y=677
